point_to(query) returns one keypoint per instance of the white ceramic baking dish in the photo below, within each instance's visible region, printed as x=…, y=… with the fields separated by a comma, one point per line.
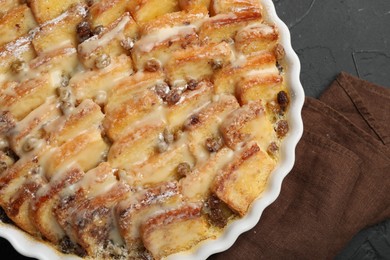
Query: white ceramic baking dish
x=28, y=246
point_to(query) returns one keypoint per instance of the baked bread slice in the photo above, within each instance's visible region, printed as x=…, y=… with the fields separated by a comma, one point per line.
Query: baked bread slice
x=137, y=129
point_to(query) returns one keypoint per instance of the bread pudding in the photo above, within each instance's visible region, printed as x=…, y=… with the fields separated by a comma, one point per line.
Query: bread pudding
x=136, y=129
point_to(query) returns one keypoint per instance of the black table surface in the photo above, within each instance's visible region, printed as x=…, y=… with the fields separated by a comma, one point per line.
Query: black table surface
x=330, y=36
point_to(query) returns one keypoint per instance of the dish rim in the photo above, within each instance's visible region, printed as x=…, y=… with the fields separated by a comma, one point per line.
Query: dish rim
x=30, y=247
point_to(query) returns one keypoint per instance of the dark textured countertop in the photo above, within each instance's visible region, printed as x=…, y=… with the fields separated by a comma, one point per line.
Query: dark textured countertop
x=339, y=35
x=332, y=36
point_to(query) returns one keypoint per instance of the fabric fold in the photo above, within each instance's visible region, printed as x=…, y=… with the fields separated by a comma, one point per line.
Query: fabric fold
x=363, y=103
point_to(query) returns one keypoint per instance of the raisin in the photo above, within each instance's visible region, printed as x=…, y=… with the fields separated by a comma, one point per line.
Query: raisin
x=90, y=2
x=66, y=246
x=194, y=119
x=162, y=90
x=98, y=30
x=282, y=128
x=192, y=84
x=272, y=148
x=280, y=67
x=214, y=144
x=64, y=93
x=30, y=144
x=216, y=64
x=279, y=52
x=173, y=97
x=168, y=136
x=152, y=65
x=217, y=211
x=162, y=146
x=83, y=31
x=64, y=81
x=282, y=99
x=183, y=169
x=36, y=170
x=17, y=66
x=188, y=42
x=127, y=44
x=66, y=107
x=102, y=61
x=81, y=223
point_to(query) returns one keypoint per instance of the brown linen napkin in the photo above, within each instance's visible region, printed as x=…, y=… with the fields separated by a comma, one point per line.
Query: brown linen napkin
x=340, y=182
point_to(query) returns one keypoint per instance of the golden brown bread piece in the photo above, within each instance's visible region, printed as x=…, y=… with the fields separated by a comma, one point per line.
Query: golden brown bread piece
x=59, y=32
x=198, y=63
x=234, y=6
x=20, y=99
x=83, y=209
x=190, y=101
x=225, y=80
x=163, y=166
x=172, y=231
x=87, y=114
x=120, y=117
x=18, y=185
x=259, y=87
x=47, y=198
x=47, y=10
x=196, y=186
x=174, y=19
x=205, y=124
x=19, y=205
x=194, y=4
x=159, y=41
x=15, y=56
x=147, y=10
x=7, y=5
x=140, y=206
x=256, y=37
x=87, y=149
x=104, y=12
x=232, y=128
x=33, y=125
x=57, y=62
x=113, y=40
x=223, y=27
x=15, y=23
x=241, y=182
x=94, y=223
x=89, y=84
x=136, y=146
